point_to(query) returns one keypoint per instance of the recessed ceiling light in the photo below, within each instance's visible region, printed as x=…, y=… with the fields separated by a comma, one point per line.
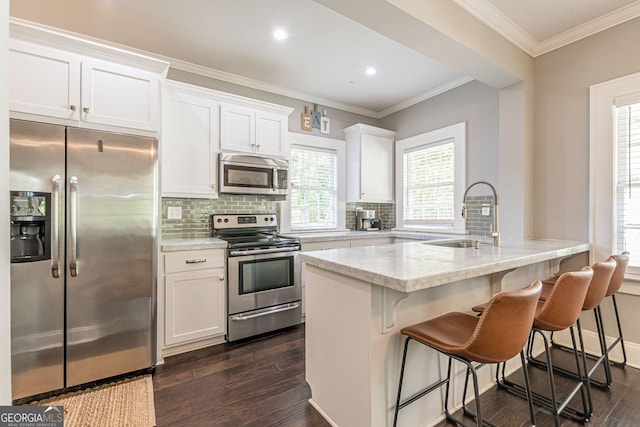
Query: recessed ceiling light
x=280, y=34
x=370, y=71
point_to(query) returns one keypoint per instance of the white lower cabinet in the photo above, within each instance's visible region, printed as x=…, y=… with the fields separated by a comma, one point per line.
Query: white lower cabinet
x=194, y=296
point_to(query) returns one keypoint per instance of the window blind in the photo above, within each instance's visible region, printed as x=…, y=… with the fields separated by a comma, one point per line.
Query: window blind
x=314, y=190
x=429, y=174
x=628, y=179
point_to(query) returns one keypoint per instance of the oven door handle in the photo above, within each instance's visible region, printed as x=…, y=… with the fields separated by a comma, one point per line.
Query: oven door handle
x=266, y=311
x=262, y=251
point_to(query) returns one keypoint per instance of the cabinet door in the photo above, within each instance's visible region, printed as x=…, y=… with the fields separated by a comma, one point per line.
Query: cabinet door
x=237, y=128
x=194, y=306
x=271, y=134
x=114, y=94
x=44, y=81
x=189, y=145
x=376, y=169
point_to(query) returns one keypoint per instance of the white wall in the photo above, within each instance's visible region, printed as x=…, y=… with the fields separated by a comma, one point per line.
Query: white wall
x=474, y=103
x=5, y=300
x=561, y=208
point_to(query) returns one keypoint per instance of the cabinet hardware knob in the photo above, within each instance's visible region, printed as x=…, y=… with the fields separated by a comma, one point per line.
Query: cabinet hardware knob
x=221, y=278
x=85, y=109
x=258, y=146
x=213, y=186
x=72, y=107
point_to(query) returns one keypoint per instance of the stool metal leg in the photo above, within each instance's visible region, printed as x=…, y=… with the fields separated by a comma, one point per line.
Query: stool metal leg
x=551, y=403
x=404, y=359
x=620, y=339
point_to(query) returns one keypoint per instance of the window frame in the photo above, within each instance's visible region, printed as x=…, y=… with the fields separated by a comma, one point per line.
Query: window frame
x=456, y=132
x=319, y=143
x=602, y=171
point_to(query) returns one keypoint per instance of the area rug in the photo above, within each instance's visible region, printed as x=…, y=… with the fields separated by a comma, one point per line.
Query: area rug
x=127, y=403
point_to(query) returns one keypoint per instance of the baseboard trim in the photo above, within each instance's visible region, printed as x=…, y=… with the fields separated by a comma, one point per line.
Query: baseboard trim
x=321, y=412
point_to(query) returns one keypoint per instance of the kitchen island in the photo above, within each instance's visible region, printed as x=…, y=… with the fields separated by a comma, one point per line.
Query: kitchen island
x=358, y=300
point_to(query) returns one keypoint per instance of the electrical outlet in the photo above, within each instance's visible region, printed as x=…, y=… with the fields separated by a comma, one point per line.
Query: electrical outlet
x=174, y=212
x=486, y=210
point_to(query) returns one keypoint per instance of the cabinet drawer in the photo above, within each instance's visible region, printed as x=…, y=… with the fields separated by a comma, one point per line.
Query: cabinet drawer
x=175, y=262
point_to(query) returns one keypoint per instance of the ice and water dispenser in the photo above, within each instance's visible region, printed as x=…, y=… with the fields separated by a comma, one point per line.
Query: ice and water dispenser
x=30, y=226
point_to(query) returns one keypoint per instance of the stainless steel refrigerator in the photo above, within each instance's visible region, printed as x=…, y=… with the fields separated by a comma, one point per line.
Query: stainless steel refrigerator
x=83, y=228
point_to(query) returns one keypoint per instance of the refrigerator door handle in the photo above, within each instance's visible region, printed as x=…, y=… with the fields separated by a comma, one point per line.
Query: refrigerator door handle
x=55, y=218
x=73, y=225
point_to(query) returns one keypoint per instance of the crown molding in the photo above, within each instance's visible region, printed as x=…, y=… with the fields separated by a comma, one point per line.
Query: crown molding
x=491, y=16
x=587, y=29
x=423, y=97
x=487, y=13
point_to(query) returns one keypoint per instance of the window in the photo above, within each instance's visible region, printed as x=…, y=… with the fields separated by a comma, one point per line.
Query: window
x=614, y=173
x=429, y=184
x=430, y=179
x=316, y=196
x=627, y=162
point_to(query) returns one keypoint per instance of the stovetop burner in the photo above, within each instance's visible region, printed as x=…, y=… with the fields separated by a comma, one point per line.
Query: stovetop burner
x=250, y=231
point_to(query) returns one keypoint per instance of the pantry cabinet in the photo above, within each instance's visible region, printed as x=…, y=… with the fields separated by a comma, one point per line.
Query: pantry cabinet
x=190, y=142
x=259, y=129
x=369, y=164
x=58, y=79
x=194, y=296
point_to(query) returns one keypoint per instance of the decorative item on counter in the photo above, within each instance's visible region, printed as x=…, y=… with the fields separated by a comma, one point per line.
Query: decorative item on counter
x=325, y=123
x=315, y=117
x=306, y=120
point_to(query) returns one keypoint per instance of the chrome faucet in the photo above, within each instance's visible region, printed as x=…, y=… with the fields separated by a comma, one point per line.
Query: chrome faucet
x=495, y=234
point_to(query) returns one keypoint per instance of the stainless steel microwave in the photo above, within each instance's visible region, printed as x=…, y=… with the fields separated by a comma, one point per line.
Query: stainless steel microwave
x=249, y=174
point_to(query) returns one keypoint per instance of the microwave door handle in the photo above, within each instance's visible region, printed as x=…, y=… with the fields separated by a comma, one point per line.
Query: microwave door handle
x=274, y=179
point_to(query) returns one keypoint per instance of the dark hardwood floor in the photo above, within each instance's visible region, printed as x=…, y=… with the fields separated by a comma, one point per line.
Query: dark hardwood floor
x=261, y=383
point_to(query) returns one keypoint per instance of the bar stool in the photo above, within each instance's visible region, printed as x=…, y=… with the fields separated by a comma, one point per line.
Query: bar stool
x=602, y=273
x=614, y=285
x=496, y=336
x=560, y=311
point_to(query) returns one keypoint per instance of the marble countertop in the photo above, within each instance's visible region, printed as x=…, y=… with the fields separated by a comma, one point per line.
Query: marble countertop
x=324, y=236
x=412, y=266
x=192, y=244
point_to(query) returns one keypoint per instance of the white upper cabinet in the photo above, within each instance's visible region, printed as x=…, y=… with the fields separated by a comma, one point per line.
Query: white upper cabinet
x=44, y=81
x=118, y=95
x=67, y=80
x=271, y=134
x=190, y=143
x=237, y=128
x=259, y=129
x=369, y=164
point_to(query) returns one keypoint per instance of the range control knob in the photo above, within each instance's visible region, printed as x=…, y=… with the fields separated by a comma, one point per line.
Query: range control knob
x=226, y=220
x=266, y=219
x=273, y=219
x=219, y=220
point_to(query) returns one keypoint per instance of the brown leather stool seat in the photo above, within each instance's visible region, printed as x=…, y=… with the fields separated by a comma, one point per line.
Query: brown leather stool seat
x=558, y=312
x=496, y=336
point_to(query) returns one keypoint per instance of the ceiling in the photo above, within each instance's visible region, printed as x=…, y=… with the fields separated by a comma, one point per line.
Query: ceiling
x=326, y=54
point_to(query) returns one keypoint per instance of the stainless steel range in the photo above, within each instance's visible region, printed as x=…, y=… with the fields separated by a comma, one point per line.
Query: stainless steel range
x=263, y=272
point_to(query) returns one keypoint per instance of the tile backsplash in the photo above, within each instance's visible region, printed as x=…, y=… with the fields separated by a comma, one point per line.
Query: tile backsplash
x=385, y=211
x=478, y=224
x=195, y=221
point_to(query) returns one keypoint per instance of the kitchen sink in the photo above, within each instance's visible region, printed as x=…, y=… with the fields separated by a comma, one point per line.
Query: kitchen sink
x=459, y=243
